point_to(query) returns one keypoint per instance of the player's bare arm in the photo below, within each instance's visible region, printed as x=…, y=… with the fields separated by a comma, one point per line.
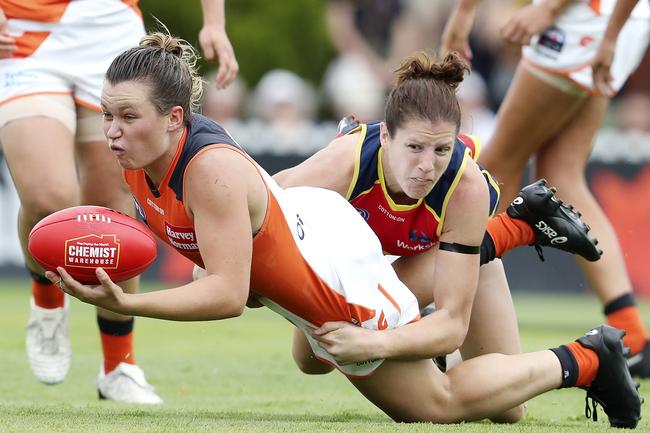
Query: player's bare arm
x=455, y=36
x=444, y=330
x=532, y=19
x=330, y=168
x=7, y=43
x=224, y=234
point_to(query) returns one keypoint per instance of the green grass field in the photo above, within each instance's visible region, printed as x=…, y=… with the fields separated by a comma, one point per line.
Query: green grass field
x=238, y=376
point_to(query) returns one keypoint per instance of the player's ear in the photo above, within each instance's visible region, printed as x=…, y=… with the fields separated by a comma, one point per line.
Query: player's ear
x=384, y=135
x=176, y=115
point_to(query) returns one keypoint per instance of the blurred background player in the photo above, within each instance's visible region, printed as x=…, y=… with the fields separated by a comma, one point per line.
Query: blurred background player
x=552, y=111
x=53, y=59
x=602, y=63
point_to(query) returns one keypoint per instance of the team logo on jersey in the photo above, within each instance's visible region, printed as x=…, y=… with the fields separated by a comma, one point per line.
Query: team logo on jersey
x=364, y=213
x=552, y=38
x=419, y=236
x=140, y=211
x=93, y=250
x=586, y=40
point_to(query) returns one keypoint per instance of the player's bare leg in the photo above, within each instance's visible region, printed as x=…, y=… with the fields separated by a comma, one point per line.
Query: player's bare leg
x=608, y=276
x=103, y=185
x=40, y=155
x=478, y=388
x=527, y=119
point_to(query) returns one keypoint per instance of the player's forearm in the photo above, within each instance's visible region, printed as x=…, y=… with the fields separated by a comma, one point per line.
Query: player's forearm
x=208, y=298
x=467, y=5
x=213, y=13
x=557, y=6
x=620, y=15
x=436, y=334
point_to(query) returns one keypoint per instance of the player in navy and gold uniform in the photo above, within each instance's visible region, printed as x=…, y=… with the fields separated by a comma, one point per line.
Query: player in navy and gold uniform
x=405, y=230
x=310, y=257
x=424, y=196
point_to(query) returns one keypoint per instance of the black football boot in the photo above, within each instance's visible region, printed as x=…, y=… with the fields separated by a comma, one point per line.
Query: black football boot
x=613, y=387
x=555, y=224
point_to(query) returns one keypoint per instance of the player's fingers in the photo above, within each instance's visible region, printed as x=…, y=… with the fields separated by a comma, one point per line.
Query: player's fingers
x=208, y=48
x=52, y=276
x=103, y=277
x=228, y=69
x=66, y=279
x=602, y=80
x=328, y=327
x=468, y=52
x=220, y=78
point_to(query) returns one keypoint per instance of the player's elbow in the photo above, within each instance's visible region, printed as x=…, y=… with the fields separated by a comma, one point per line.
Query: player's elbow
x=456, y=331
x=236, y=305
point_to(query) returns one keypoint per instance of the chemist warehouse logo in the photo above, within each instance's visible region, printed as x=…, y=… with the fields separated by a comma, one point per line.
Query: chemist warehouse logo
x=91, y=251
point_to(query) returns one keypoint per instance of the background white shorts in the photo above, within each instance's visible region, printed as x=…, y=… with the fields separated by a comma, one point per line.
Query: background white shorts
x=69, y=56
x=568, y=48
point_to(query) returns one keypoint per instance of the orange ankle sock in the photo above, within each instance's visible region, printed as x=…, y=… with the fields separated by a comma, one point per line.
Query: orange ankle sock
x=629, y=320
x=508, y=233
x=117, y=348
x=587, y=361
x=47, y=295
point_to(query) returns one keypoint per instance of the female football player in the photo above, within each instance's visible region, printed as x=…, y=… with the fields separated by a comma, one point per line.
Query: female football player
x=308, y=255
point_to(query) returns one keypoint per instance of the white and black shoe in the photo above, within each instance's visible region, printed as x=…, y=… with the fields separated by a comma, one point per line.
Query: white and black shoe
x=555, y=224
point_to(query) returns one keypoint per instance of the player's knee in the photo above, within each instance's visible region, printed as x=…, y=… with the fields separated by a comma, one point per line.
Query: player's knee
x=309, y=364
x=511, y=416
x=34, y=209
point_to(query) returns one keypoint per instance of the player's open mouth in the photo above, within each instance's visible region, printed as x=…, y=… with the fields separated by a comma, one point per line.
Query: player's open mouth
x=116, y=149
x=421, y=181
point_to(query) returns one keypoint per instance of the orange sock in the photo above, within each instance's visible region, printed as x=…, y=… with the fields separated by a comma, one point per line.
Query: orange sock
x=47, y=295
x=587, y=361
x=629, y=320
x=117, y=348
x=508, y=233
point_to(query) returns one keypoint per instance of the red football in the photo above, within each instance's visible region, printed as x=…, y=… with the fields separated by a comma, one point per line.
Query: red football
x=83, y=238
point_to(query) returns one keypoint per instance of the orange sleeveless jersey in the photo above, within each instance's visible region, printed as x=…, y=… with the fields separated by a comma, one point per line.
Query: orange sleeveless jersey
x=279, y=270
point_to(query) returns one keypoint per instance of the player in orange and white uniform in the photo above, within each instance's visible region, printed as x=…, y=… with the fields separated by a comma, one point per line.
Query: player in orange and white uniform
x=567, y=48
x=311, y=280
x=559, y=124
x=53, y=55
x=50, y=126
x=307, y=254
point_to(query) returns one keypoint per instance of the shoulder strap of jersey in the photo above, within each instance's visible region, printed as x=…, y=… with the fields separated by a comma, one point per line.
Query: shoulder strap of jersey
x=366, y=175
x=201, y=132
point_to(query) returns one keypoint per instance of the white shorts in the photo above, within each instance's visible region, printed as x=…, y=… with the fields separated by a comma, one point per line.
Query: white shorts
x=344, y=252
x=69, y=56
x=568, y=47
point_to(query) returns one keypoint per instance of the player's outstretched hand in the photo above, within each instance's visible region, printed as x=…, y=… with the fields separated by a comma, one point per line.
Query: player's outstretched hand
x=106, y=295
x=601, y=68
x=216, y=46
x=7, y=43
x=527, y=22
x=455, y=36
x=346, y=342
